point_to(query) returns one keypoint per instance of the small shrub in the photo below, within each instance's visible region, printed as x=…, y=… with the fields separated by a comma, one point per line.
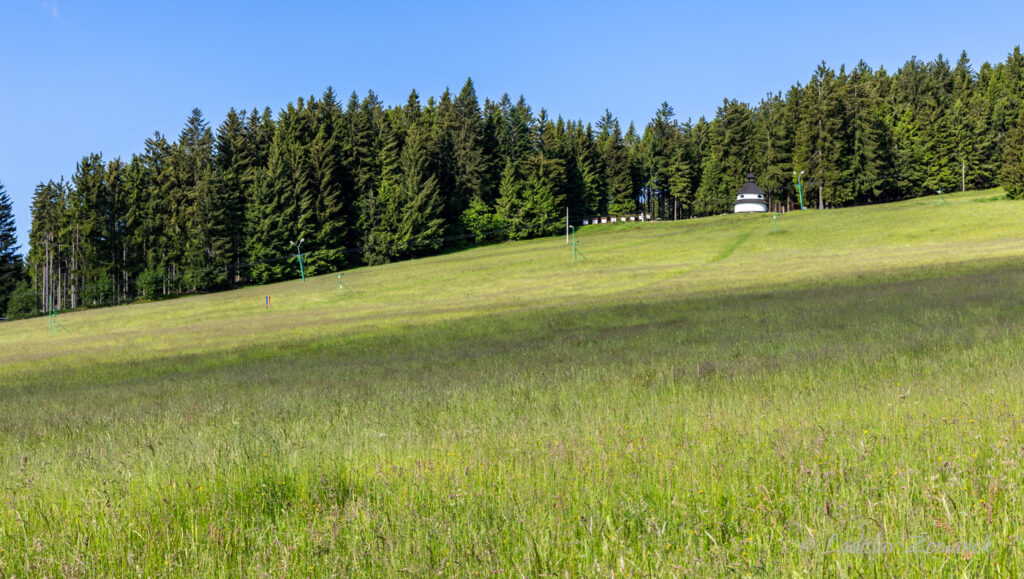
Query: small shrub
x=150, y=281
x=23, y=303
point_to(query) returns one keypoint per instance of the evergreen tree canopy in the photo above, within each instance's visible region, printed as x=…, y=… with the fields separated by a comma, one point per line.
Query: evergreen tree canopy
x=11, y=264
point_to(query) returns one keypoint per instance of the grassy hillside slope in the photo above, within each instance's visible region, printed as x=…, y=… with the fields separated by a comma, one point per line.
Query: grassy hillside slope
x=706, y=396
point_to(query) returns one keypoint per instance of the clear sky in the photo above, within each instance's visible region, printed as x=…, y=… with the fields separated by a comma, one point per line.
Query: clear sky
x=81, y=76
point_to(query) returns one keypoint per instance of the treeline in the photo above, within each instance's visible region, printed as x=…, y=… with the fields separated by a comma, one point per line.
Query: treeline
x=361, y=183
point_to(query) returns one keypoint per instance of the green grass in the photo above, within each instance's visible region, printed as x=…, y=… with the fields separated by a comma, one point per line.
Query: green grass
x=703, y=397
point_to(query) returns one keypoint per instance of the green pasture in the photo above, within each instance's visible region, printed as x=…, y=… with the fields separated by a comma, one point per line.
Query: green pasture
x=705, y=397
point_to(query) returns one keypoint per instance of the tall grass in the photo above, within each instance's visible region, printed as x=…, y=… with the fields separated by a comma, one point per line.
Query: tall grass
x=697, y=398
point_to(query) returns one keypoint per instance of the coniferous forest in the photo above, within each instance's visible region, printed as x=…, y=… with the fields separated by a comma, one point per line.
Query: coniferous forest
x=359, y=182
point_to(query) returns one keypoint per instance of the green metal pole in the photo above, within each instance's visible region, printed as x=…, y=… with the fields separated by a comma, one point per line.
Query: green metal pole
x=800, y=191
x=302, y=269
x=941, y=200
x=576, y=255
x=573, y=242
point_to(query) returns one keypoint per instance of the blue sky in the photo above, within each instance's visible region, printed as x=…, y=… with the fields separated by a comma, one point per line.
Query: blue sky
x=81, y=76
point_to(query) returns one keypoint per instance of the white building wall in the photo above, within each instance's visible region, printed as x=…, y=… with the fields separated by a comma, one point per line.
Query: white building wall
x=751, y=208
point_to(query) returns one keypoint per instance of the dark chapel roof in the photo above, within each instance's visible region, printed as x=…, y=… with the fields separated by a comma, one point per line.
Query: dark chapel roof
x=750, y=186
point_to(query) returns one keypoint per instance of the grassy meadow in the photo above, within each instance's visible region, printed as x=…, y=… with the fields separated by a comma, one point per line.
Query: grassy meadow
x=708, y=397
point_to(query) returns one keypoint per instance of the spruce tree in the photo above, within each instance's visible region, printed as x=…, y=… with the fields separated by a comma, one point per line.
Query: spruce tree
x=910, y=156
x=661, y=139
x=380, y=211
x=681, y=170
x=615, y=160
x=334, y=207
x=545, y=180
x=421, y=219
x=985, y=115
x=406, y=216
x=158, y=219
x=115, y=232
x=305, y=186
x=712, y=196
x=735, y=132
x=48, y=255
x=863, y=165
x=11, y=264
x=494, y=119
x=470, y=163
x=136, y=221
x=636, y=154
x=511, y=203
x=266, y=244
x=515, y=134
x=86, y=214
x=232, y=161
x=197, y=241
x=1012, y=176
x=772, y=160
